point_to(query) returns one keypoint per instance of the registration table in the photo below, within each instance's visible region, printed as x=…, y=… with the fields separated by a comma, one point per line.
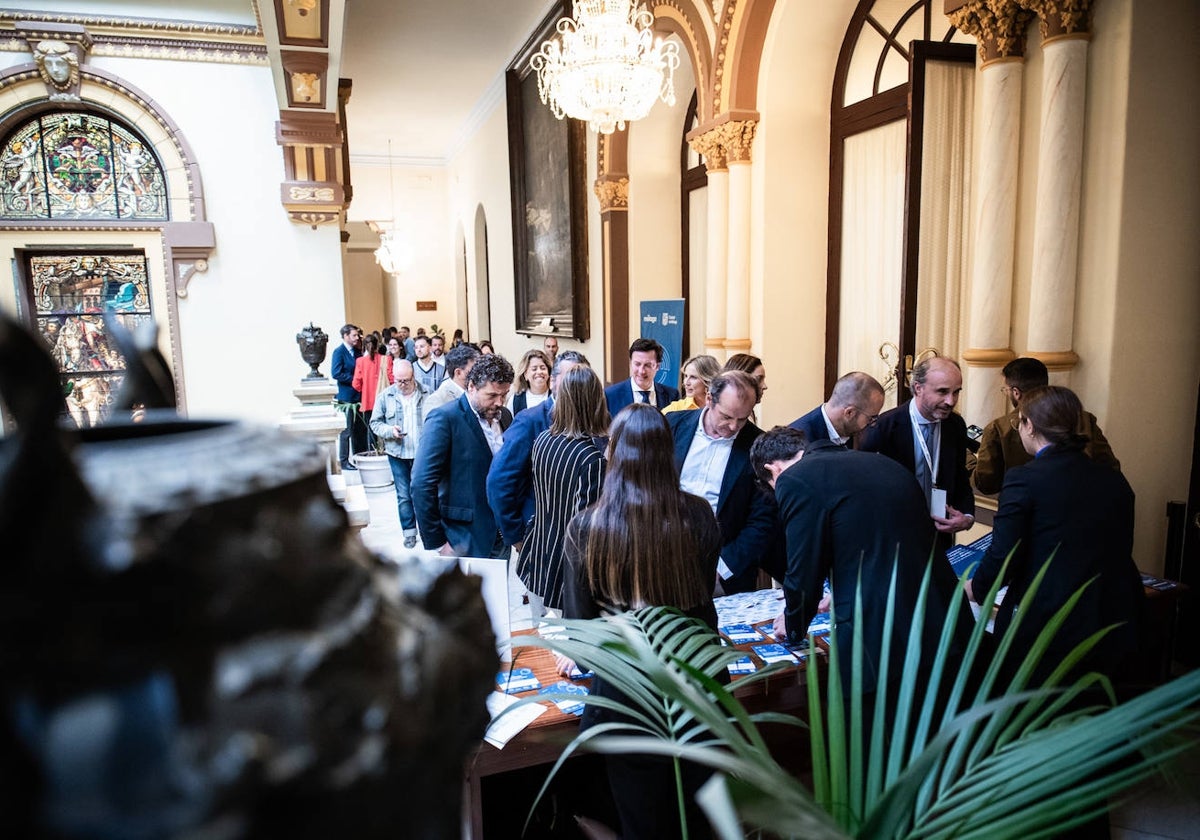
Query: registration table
x=542, y=741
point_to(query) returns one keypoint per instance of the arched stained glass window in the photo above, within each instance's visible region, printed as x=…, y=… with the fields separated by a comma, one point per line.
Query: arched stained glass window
x=77, y=165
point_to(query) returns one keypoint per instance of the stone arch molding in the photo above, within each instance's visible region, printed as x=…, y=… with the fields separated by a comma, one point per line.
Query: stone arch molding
x=188, y=238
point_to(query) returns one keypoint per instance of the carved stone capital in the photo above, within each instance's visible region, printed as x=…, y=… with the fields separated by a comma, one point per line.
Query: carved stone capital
x=998, y=25
x=613, y=192
x=1062, y=17
x=189, y=245
x=727, y=141
x=737, y=138
x=708, y=146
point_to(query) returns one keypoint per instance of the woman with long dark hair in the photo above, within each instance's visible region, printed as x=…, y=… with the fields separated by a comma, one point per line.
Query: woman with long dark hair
x=568, y=471
x=644, y=543
x=1065, y=506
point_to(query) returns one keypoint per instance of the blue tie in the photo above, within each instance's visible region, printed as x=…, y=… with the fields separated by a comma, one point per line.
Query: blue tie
x=645, y=396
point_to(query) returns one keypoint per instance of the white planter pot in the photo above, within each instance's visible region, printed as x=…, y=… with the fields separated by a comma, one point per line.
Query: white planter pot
x=373, y=470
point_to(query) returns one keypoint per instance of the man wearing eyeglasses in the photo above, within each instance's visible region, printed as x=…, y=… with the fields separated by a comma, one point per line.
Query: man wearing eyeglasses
x=398, y=420
x=1001, y=449
x=854, y=406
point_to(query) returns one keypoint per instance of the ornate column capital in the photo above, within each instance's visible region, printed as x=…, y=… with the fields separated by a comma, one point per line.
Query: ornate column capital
x=708, y=146
x=737, y=137
x=613, y=191
x=727, y=142
x=998, y=25
x=1059, y=18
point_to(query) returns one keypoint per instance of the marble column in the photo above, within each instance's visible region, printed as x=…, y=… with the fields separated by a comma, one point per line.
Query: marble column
x=1065, y=37
x=717, y=239
x=737, y=138
x=999, y=30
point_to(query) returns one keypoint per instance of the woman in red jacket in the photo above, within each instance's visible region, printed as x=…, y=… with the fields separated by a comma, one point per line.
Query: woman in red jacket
x=366, y=379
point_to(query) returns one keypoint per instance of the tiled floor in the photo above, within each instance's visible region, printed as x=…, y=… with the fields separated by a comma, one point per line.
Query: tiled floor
x=385, y=537
x=1157, y=811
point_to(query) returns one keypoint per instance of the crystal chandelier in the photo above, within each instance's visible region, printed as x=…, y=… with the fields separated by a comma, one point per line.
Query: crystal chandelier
x=387, y=255
x=606, y=66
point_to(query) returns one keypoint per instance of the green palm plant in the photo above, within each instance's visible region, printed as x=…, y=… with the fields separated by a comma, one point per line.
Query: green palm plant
x=957, y=757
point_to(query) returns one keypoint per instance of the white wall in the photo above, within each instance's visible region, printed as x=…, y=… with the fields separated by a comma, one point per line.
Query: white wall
x=425, y=237
x=790, y=183
x=655, y=254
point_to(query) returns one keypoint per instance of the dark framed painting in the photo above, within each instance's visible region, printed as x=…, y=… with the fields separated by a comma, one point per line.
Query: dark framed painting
x=65, y=297
x=547, y=170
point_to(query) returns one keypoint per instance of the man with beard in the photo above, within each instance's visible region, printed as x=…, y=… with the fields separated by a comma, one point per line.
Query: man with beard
x=449, y=479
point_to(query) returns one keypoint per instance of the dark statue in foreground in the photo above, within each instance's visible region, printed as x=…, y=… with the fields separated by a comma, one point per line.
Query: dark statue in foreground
x=193, y=645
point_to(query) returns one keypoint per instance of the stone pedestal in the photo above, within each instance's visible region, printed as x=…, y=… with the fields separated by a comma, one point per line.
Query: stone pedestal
x=318, y=420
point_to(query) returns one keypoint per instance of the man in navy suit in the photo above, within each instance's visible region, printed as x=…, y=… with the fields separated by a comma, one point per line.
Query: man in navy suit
x=645, y=356
x=925, y=436
x=353, y=438
x=449, y=478
x=712, y=455
x=510, y=479
x=854, y=405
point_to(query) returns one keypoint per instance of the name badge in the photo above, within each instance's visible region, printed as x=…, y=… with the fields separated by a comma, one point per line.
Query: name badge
x=937, y=503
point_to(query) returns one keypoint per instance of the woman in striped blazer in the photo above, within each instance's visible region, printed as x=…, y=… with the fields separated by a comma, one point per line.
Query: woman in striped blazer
x=568, y=471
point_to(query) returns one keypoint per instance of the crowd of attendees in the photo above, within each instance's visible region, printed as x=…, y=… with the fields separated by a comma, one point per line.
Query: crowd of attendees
x=636, y=495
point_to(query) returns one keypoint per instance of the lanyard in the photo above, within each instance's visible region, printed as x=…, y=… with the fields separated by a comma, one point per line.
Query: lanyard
x=930, y=462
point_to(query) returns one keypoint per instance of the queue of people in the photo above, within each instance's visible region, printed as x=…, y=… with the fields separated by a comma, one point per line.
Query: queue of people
x=632, y=495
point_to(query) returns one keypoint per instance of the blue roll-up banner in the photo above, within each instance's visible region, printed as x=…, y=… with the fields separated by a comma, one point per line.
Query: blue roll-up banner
x=662, y=320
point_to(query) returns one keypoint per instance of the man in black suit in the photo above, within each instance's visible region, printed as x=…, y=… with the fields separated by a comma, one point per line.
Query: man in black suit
x=712, y=455
x=852, y=516
x=854, y=405
x=449, y=477
x=353, y=438
x=645, y=356
x=925, y=436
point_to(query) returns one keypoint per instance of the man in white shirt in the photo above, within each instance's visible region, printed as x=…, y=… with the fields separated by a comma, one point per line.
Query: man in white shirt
x=397, y=420
x=645, y=357
x=712, y=454
x=854, y=405
x=458, y=365
x=449, y=480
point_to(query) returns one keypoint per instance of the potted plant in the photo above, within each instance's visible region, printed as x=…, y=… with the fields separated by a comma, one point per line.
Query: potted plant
x=1012, y=760
x=373, y=467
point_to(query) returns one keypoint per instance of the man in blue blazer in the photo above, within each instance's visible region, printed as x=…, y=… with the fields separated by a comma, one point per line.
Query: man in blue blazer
x=645, y=356
x=449, y=477
x=854, y=405
x=353, y=438
x=721, y=432
x=938, y=454
x=510, y=479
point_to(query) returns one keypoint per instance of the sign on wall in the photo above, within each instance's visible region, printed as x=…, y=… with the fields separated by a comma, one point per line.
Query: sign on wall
x=662, y=320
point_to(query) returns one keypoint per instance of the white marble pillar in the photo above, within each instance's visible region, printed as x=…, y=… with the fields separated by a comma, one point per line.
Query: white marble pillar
x=1056, y=230
x=994, y=237
x=718, y=251
x=737, y=305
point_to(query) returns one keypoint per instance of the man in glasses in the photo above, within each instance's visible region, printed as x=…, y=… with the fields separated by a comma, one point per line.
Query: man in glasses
x=398, y=419
x=1000, y=448
x=854, y=405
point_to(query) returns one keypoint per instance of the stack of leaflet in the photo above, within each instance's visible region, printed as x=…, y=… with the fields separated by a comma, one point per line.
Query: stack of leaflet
x=567, y=705
x=516, y=680
x=963, y=557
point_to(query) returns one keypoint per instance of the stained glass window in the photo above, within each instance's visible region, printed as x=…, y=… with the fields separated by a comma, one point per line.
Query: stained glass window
x=75, y=165
x=71, y=293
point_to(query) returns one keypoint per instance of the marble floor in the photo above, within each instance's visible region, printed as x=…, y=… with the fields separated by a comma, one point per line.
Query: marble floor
x=1155, y=811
